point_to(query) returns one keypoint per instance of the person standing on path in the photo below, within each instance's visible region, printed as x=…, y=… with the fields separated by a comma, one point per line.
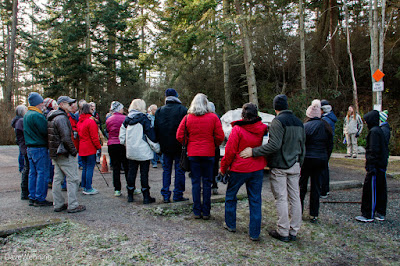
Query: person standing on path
x=167, y=119
x=151, y=112
x=35, y=134
x=285, y=153
x=96, y=118
x=352, y=128
x=63, y=153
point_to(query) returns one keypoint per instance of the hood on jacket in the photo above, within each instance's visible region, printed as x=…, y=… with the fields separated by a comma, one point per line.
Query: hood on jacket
x=134, y=117
x=172, y=99
x=14, y=121
x=254, y=126
x=372, y=119
x=55, y=113
x=331, y=116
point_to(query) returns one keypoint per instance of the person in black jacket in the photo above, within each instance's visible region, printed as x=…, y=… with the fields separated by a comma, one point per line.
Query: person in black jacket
x=167, y=120
x=319, y=144
x=374, y=196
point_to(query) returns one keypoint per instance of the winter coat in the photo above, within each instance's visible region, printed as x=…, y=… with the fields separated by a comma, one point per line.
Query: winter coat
x=75, y=136
x=113, y=125
x=18, y=124
x=88, y=132
x=167, y=119
x=60, y=130
x=331, y=119
x=377, y=151
x=319, y=141
x=132, y=135
x=244, y=134
x=386, y=131
x=286, y=144
x=353, y=126
x=204, y=133
x=35, y=128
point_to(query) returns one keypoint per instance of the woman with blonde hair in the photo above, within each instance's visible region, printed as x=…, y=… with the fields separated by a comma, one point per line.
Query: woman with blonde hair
x=202, y=131
x=352, y=128
x=133, y=134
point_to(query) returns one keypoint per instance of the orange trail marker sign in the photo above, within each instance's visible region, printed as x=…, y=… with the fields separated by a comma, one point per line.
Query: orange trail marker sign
x=378, y=75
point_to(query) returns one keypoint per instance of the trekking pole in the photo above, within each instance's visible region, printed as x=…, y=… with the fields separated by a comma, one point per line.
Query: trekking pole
x=102, y=174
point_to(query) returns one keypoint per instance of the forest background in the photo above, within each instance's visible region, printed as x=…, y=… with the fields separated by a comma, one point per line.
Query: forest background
x=233, y=51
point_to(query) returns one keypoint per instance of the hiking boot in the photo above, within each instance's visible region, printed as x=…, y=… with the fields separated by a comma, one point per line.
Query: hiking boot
x=117, y=193
x=44, y=203
x=229, y=229
x=292, y=237
x=32, y=202
x=62, y=208
x=379, y=217
x=364, y=219
x=276, y=235
x=181, y=199
x=79, y=208
x=130, y=195
x=147, y=199
x=91, y=191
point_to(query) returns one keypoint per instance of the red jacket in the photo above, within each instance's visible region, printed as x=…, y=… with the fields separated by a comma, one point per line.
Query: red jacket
x=244, y=134
x=89, y=141
x=204, y=134
x=74, y=123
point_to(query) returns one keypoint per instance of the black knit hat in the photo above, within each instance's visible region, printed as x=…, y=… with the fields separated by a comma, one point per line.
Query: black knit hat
x=324, y=102
x=280, y=102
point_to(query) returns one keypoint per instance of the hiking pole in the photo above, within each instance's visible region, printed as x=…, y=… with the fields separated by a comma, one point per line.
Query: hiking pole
x=102, y=174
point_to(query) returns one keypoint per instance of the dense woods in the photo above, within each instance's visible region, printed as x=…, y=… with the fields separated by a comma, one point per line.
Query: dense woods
x=233, y=51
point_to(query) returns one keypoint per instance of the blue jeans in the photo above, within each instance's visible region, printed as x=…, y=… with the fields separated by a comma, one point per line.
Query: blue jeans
x=156, y=158
x=202, y=172
x=21, y=161
x=253, y=182
x=38, y=173
x=80, y=161
x=168, y=160
x=88, y=163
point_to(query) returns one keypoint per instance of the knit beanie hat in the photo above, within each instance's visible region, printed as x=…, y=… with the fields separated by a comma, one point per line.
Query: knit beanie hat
x=314, y=110
x=324, y=102
x=116, y=106
x=50, y=103
x=171, y=92
x=280, y=102
x=34, y=99
x=383, y=116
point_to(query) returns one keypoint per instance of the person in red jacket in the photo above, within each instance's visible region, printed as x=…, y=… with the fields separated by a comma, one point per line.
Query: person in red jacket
x=89, y=143
x=204, y=132
x=248, y=132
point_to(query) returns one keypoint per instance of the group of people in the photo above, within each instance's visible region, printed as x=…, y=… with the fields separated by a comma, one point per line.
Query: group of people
x=295, y=153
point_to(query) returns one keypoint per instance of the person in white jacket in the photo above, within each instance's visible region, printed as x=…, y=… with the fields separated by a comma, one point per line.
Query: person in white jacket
x=134, y=133
x=352, y=128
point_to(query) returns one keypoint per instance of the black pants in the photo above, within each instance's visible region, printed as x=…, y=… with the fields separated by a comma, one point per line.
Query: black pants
x=144, y=173
x=324, y=180
x=216, y=167
x=25, y=178
x=311, y=168
x=374, y=196
x=117, y=154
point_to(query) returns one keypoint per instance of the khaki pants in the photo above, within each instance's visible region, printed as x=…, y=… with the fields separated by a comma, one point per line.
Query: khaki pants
x=351, y=144
x=65, y=166
x=285, y=187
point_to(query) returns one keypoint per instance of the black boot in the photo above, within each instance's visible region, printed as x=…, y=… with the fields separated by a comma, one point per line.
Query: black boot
x=130, y=194
x=146, y=196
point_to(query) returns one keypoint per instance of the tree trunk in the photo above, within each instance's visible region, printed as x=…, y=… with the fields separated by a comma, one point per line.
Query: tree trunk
x=225, y=58
x=11, y=55
x=111, y=74
x=248, y=60
x=302, y=47
x=143, y=48
x=88, y=50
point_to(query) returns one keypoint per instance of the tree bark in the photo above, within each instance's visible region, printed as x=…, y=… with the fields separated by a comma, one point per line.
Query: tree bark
x=302, y=47
x=225, y=58
x=88, y=49
x=7, y=94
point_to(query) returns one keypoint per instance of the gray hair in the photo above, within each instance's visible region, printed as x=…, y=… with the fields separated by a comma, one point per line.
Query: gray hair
x=211, y=107
x=199, y=105
x=151, y=107
x=21, y=110
x=138, y=105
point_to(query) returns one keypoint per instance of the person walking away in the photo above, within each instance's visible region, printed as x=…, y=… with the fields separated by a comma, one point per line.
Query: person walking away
x=35, y=135
x=247, y=132
x=63, y=154
x=374, y=195
x=285, y=153
x=352, y=128
x=167, y=119
x=89, y=143
x=96, y=118
x=133, y=134
x=18, y=124
x=116, y=150
x=319, y=144
x=151, y=113
x=204, y=132
x=331, y=119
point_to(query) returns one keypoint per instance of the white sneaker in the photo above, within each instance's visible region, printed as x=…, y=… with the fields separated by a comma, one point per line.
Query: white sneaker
x=90, y=192
x=137, y=191
x=379, y=217
x=364, y=220
x=117, y=193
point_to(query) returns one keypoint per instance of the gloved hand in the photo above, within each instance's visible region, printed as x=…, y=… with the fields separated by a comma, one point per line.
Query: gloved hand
x=357, y=134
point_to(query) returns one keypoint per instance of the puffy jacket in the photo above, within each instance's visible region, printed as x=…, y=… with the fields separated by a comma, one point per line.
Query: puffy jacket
x=113, y=125
x=35, y=128
x=131, y=134
x=331, y=119
x=74, y=135
x=88, y=132
x=167, y=119
x=319, y=141
x=377, y=151
x=244, y=134
x=60, y=130
x=353, y=126
x=204, y=133
x=18, y=124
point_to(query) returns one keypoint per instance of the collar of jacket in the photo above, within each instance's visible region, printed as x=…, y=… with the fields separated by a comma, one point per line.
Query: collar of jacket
x=34, y=108
x=172, y=99
x=245, y=122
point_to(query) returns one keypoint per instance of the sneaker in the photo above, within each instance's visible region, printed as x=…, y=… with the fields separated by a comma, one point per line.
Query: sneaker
x=137, y=191
x=44, y=203
x=90, y=191
x=379, y=217
x=229, y=229
x=80, y=208
x=62, y=208
x=276, y=235
x=364, y=219
x=254, y=238
x=181, y=199
x=355, y=156
x=154, y=166
x=117, y=193
x=324, y=196
x=347, y=155
x=63, y=189
x=214, y=191
x=314, y=220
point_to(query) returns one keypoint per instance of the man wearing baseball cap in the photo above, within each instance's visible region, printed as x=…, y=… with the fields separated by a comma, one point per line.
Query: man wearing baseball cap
x=63, y=153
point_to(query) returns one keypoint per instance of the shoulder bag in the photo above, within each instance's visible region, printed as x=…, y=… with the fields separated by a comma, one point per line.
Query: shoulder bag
x=184, y=161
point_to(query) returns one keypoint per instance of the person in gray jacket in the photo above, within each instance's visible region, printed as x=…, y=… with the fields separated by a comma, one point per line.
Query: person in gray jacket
x=63, y=154
x=352, y=128
x=285, y=153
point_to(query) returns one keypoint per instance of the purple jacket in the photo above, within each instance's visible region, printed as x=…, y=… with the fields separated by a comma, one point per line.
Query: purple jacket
x=113, y=124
